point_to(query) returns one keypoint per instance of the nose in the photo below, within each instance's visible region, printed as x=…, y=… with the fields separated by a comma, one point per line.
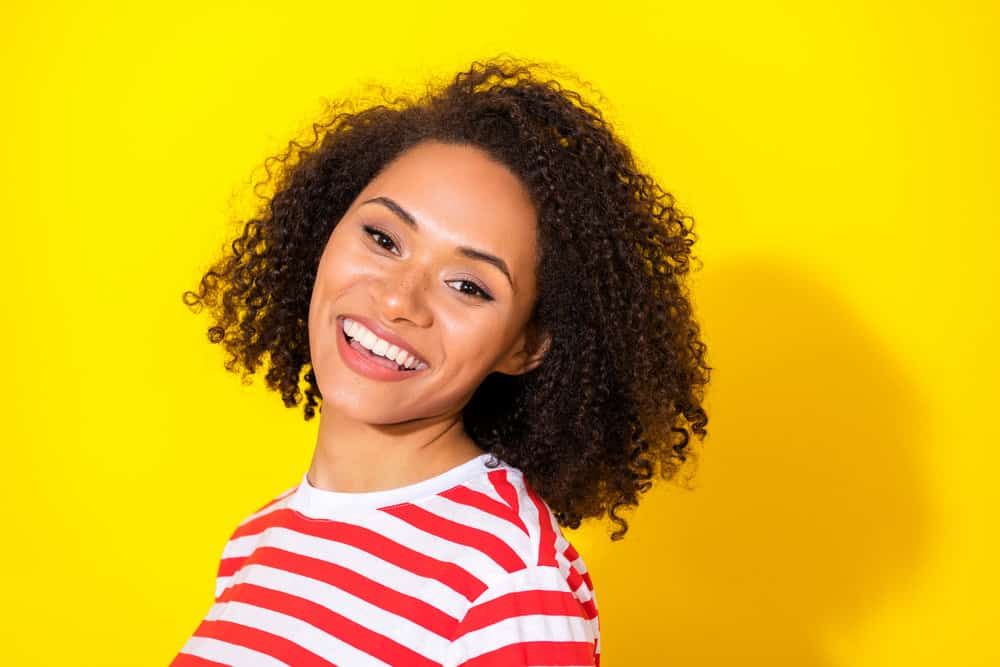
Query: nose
x=403, y=295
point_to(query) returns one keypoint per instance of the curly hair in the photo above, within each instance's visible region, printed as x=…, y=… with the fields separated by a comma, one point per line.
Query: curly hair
x=623, y=380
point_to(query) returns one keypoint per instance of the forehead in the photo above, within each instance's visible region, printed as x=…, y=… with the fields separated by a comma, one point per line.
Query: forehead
x=458, y=194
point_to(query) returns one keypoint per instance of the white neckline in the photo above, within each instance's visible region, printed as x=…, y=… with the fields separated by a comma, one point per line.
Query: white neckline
x=322, y=503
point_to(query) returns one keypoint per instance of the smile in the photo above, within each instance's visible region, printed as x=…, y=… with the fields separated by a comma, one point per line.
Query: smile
x=380, y=347
x=374, y=357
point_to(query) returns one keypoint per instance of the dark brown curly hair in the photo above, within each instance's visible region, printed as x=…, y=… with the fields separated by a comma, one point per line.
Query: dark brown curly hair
x=623, y=380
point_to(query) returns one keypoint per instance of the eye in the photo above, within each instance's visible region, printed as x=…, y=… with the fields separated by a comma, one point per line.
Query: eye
x=380, y=237
x=475, y=291
x=469, y=287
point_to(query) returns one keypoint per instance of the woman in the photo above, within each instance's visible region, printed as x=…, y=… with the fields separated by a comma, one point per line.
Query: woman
x=487, y=295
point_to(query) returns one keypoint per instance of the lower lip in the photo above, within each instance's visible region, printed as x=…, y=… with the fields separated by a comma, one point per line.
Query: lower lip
x=361, y=364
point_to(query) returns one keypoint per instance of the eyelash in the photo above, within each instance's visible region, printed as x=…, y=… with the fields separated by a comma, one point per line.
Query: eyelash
x=480, y=292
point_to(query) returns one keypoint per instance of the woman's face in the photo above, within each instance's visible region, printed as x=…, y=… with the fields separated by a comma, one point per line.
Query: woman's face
x=436, y=255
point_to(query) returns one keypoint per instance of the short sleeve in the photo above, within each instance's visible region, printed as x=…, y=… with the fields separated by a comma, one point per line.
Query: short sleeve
x=528, y=617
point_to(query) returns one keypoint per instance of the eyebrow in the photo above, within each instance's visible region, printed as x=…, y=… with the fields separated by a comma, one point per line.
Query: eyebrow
x=472, y=253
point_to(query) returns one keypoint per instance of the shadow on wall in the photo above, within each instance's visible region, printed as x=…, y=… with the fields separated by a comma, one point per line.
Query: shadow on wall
x=809, y=509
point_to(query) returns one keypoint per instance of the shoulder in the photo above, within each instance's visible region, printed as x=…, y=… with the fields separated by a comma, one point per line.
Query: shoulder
x=545, y=544
x=243, y=538
x=263, y=514
x=500, y=513
x=542, y=609
x=530, y=617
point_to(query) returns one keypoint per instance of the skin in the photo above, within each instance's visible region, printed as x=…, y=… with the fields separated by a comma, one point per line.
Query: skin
x=375, y=435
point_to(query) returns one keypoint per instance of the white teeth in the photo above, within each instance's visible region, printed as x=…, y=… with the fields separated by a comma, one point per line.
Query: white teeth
x=379, y=346
x=368, y=339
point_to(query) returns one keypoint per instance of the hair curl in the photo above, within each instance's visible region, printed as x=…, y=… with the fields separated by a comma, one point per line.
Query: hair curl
x=624, y=377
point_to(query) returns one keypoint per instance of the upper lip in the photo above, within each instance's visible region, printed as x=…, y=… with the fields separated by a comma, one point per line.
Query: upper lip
x=385, y=335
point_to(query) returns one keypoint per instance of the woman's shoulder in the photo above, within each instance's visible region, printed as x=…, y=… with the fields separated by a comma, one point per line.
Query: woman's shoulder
x=516, y=526
x=493, y=525
x=274, y=504
x=543, y=574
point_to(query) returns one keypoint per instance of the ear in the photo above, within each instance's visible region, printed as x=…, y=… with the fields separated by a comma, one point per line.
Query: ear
x=527, y=353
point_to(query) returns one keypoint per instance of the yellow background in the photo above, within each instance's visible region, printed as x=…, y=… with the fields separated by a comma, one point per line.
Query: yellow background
x=841, y=163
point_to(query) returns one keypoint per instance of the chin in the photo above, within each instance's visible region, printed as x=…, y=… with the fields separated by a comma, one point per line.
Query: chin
x=357, y=405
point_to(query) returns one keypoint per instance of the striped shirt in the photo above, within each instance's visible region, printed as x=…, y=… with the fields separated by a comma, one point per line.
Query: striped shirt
x=466, y=569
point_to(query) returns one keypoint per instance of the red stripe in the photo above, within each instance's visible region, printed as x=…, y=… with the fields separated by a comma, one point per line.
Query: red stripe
x=479, y=500
x=259, y=524
x=547, y=540
x=449, y=574
x=590, y=608
x=572, y=556
x=488, y=543
x=521, y=603
x=505, y=489
x=575, y=581
x=423, y=614
x=282, y=496
x=261, y=641
x=536, y=653
x=328, y=621
x=188, y=660
x=229, y=566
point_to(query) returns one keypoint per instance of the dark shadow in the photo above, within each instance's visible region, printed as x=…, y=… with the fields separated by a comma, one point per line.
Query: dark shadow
x=810, y=508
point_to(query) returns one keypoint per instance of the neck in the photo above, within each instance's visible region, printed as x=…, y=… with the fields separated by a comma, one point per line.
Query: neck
x=356, y=457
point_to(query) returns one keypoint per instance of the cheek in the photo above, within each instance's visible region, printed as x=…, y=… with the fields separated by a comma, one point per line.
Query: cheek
x=338, y=269
x=335, y=274
x=473, y=339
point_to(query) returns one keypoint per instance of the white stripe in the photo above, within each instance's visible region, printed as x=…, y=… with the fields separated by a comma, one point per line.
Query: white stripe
x=578, y=563
x=473, y=517
x=365, y=614
x=285, y=497
x=484, y=485
x=397, y=578
x=530, y=517
x=294, y=630
x=472, y=560
x=537, y=578
x=241, y=546
x=371, y=566
x=245, y=544
x=228, y=654
x=221, y=584
x=528, y=628
x=583, y=591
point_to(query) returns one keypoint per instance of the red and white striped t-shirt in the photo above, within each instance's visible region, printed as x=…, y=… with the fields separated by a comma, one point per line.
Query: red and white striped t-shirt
x=469, y=568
